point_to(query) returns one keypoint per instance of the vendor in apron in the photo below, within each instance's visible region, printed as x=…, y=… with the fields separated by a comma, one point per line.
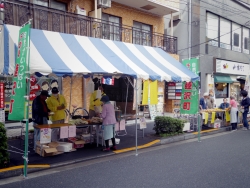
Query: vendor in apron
x=233, y=113
x=108, y=123
x=95, y=102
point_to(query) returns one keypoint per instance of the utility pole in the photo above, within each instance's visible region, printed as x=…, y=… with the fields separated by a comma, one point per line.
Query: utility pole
x=189, y=28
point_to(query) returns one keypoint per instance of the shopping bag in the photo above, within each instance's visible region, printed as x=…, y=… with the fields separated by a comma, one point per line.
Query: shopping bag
x=98, y=109
x=98, y=94
x=91, y=86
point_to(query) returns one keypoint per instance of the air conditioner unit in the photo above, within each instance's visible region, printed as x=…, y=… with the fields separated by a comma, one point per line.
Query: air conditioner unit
x=80, y=11
x=104, y=3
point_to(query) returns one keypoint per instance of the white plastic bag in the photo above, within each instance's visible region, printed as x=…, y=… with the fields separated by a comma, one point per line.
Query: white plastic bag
x=91, y=86
x=98, y=94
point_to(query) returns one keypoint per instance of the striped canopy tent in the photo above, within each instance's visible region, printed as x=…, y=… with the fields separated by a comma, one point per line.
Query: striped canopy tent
x=67, y=54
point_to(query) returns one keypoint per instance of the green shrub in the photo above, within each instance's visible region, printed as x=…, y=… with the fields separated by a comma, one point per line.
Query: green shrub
x=167, y=126
x=4, y=154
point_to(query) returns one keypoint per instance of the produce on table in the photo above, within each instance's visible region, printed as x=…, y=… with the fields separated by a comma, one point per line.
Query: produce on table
x=77, y=122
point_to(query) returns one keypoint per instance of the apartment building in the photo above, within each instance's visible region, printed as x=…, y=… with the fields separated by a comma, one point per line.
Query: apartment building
x=219, y=33
x=138, y=22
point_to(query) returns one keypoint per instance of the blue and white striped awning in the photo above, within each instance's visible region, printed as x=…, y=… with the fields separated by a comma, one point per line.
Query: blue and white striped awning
x=67, y=54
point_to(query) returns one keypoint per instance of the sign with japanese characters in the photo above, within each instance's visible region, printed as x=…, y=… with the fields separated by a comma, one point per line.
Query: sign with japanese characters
x=189, y=98
x=192, y=64
x=19, y=88
x=230, y=67
x=190, y=90
x=2, y=96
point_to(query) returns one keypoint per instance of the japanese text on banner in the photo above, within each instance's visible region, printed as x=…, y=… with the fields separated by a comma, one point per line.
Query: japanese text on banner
x=19, y=88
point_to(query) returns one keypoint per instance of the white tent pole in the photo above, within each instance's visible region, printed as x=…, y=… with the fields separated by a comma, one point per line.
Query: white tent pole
x=125, y=111
x=71, y=82
x=136, y=109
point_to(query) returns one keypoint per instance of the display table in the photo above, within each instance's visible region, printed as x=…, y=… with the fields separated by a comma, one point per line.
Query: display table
x=56, y=126
x=215, y=111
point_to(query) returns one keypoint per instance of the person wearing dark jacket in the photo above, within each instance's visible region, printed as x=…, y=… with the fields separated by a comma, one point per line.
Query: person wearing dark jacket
x=245, y=103
x=40, y=113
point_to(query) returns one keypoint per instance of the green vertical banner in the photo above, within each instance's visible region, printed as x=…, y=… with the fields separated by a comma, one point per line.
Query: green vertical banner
x=190, y=90
x=19, y=89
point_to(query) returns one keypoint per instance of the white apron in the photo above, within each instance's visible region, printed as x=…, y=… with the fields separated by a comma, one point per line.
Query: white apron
x=233, y=115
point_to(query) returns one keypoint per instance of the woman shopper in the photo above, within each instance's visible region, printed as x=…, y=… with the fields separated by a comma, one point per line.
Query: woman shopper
x=233, y=113
x=108, y=124
x=245, y=108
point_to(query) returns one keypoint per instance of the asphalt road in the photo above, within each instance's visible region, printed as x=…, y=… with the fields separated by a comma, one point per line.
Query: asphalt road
x=217, y=162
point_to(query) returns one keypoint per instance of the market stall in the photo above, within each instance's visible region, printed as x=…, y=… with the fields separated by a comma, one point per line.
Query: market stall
x=69, y=55
x=215, y=118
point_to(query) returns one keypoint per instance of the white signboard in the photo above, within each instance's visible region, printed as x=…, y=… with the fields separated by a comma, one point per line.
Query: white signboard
x=143, y=123
x=45, y=135
x=229, y=67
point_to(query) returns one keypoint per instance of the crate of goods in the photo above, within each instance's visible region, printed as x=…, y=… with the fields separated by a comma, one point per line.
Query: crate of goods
x=64, y=146
x=46, y=150
x=77, y=143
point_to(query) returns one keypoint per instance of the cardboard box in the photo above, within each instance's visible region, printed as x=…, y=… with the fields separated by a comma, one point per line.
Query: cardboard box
x=77, y=143
x=53, y=144
x=45, y=150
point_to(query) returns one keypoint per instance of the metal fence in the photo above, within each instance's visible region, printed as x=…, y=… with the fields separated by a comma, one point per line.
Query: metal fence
x=45, y=18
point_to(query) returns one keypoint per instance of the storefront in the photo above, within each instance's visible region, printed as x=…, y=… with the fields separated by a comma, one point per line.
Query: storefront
x=225, y=81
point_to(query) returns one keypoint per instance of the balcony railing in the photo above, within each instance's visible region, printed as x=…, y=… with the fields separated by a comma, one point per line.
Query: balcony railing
x=45, y=18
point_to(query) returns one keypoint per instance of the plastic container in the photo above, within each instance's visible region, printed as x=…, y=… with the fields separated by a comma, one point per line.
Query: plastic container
x=64, y=146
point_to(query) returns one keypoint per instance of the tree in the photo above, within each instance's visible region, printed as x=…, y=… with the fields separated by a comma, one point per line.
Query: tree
x=4, y=154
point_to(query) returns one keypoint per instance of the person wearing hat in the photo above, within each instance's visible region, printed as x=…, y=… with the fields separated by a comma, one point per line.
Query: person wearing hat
x=203, y=101
x=40, y=113
x=56, y=104
x=108, y=123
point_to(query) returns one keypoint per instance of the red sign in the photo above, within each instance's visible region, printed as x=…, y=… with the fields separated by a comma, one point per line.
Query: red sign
x=178, y=94
x=2, y=96
x=32, y=80
x=32, y=96
x=35, y=87
x=171, y=84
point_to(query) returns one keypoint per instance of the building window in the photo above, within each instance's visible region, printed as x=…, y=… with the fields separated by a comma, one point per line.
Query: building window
x=111, y=27
x=52, y=4
x=246, y=40
x=225, y=33
x=41, y=2
x=221, y=90
x=58, y=5
x=236, y=37
x=142, y=34
x=212, y=26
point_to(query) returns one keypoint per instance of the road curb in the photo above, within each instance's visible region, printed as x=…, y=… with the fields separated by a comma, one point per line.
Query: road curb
x=163, y=141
